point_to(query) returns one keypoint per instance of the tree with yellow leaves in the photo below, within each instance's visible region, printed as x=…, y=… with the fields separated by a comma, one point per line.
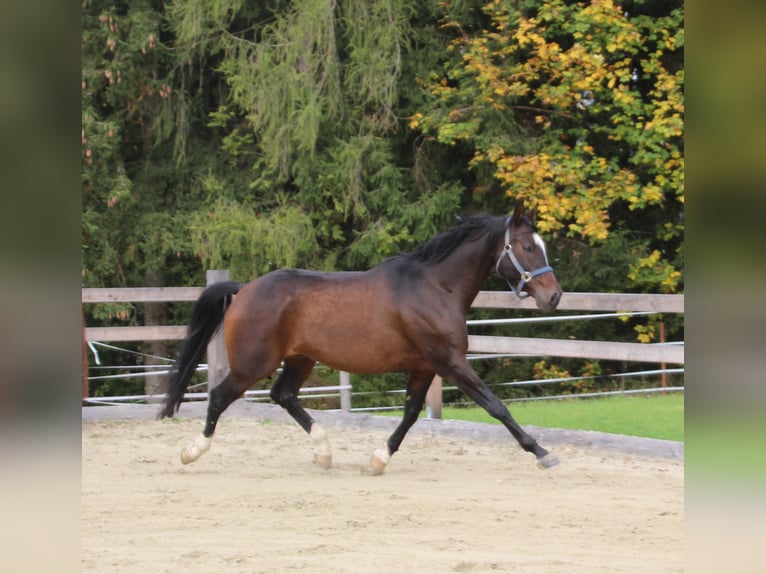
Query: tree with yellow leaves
x=576, y=107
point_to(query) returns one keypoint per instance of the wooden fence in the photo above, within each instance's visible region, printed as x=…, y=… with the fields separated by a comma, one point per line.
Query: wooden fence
x=612, y=302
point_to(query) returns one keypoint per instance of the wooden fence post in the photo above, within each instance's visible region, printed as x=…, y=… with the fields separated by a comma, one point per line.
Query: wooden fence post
x=664, y=376
x=434, y=399
x=345, y=394
x=217, y=361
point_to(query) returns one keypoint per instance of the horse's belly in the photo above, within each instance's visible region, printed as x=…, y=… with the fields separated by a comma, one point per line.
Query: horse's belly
x=360, y=354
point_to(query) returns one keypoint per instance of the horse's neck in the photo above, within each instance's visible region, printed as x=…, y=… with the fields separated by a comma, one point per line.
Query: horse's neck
x=465, y=271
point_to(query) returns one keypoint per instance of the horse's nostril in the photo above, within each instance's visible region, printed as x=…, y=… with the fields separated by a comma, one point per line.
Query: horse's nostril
x=555, y=298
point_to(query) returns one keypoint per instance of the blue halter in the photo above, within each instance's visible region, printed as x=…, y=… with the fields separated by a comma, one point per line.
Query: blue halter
x=526, y=276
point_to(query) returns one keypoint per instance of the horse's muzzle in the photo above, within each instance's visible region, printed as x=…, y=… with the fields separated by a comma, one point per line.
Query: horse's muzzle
x=547, y=299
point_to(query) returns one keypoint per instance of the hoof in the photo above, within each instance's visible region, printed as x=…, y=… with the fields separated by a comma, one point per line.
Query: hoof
x=195, y=449
x=323, y=460
x=547, y=461
x=187, y=457
x=322, y=452
x=379, y=461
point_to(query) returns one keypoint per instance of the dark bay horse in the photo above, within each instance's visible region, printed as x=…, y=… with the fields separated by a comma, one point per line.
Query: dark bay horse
x=407, y=314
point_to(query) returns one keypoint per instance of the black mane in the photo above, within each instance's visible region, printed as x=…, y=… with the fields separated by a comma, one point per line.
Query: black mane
x=469, y=228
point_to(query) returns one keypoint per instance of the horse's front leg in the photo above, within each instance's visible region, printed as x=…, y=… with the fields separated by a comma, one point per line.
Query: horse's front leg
x=417, y=387
x=466, y=379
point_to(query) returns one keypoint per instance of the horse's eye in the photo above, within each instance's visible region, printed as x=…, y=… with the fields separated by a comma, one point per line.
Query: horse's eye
x=528, y=248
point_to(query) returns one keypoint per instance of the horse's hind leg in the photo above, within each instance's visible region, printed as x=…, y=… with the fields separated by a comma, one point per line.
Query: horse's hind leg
x=229, y=390
x=295, y=371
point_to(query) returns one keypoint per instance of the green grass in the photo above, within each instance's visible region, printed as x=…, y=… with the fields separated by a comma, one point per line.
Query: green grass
x=658, y=416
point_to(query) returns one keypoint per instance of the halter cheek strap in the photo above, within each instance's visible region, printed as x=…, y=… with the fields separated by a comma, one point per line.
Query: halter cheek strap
x=525, y=276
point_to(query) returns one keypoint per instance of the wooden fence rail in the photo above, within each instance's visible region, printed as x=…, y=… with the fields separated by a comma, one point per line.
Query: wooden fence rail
x=570, y=301
x=574, y=301
x=140, y=294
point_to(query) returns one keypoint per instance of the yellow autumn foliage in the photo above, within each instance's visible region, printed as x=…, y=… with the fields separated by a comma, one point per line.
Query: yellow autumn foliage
x=603, y=111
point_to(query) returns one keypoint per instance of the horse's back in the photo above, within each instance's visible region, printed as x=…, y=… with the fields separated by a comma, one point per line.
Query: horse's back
x=286, y=287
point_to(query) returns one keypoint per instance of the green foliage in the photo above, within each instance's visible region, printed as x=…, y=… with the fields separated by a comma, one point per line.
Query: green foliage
x=233, y=236
x=286, y=81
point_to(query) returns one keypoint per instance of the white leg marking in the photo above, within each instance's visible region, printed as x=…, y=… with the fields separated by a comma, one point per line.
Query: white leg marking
x=322, y=453
x=380, y=459
x=196, y=449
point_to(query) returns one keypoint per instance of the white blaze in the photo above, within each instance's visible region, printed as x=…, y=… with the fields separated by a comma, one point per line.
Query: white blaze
x=541, y=244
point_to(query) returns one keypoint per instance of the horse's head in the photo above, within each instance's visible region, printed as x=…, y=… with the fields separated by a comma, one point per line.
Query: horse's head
x=523, y=261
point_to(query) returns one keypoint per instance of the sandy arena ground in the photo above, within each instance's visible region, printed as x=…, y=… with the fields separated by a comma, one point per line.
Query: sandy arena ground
x=465, y=502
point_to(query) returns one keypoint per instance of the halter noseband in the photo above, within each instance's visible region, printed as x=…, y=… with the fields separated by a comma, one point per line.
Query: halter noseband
x=526, y=276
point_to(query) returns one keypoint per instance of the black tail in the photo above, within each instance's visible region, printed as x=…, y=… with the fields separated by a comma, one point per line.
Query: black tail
x=206, y=319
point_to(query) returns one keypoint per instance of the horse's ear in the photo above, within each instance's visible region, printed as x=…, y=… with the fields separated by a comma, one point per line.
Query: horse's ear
x=533, y=214
x=518, y=213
